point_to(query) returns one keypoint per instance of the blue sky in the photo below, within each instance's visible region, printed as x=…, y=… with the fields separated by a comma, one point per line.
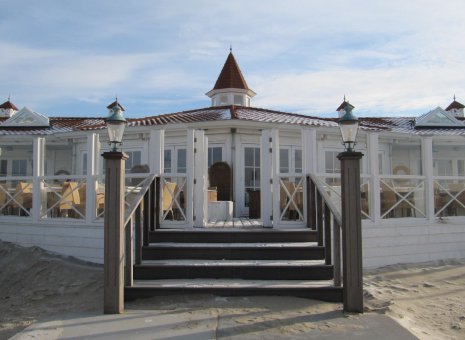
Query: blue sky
x=390, y=58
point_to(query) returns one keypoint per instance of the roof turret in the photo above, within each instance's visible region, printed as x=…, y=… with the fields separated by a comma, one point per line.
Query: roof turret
x=455, y=105
x=8, y=105
x=230, y=87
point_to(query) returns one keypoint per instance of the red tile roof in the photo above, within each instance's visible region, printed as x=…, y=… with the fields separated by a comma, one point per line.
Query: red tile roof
x=57, y=125
x=455, y=105
x=232, y=113
x=8, y=105
x=231, y=76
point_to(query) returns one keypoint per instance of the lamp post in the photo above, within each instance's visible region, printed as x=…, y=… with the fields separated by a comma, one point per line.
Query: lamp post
x=352, y=270
x=113, y=281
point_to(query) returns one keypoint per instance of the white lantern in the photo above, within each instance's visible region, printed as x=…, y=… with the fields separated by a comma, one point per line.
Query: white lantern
x=348, y=124
x=115, y=125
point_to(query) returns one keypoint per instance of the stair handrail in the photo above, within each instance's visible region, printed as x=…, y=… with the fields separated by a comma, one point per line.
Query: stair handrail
x=139, y=197
x=334, y=209
x=139, y=219
x=328, y=220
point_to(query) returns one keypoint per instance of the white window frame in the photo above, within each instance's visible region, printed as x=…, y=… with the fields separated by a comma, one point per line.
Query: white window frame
x=174, y=158
x=291, y=150
x=210, y=151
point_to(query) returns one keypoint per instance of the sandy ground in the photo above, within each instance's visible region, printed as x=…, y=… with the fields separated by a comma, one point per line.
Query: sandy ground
x=35, y=284
x=427, y=299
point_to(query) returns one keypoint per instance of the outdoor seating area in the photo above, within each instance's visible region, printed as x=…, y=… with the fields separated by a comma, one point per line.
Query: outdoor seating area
x=16, y=198
x=449, y=198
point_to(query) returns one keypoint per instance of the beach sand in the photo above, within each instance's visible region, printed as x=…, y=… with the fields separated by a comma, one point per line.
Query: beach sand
x=428, y=298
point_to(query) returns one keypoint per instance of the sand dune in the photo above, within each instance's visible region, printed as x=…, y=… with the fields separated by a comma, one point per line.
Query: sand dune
x=428, y=299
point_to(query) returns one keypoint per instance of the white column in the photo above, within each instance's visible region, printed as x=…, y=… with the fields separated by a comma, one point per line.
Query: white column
x=309, y=153
x=309, y=159
x=238, y=172
x=190, y=145
x=275, y=172
x=93, y=155
x=427, y=166
x=37, y=171
x=200, y=178
x=156, y=151
x=375, y=199
x=266, y=176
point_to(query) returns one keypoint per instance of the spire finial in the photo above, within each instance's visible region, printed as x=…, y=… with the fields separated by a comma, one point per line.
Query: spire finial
x=9, y=96
x=344, y=97
x=454, y=97
x=230, y=48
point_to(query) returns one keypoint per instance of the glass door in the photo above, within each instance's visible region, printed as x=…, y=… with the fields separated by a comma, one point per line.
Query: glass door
x=251, y=205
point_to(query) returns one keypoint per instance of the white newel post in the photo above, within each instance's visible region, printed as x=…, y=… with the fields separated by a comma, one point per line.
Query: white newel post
x=37, y=171
x=93, y=155
x=190, y=145
x=200, y=178
x=375, y=199
x=266, y=194
x=427, y=165
x=275, y=172
x=156, y=151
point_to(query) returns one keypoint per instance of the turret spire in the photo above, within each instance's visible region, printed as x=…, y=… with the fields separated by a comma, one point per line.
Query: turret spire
x=230, y=87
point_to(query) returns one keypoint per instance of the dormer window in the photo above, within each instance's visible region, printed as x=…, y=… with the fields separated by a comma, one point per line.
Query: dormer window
x=27, y=117
x=437, y=118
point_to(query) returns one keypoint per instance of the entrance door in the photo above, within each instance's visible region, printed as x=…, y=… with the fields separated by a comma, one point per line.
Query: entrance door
x=251, y=182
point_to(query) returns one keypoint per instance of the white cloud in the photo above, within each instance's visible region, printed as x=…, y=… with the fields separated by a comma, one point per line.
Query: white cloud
x=389, y=57
x=377, y=91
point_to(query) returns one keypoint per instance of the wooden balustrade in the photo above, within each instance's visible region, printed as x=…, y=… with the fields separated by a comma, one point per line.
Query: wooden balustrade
x=325, y=217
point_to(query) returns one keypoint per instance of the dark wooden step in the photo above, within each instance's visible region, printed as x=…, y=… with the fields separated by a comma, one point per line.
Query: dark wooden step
x=239, y=235
x=320, y=291
x=252, y=270
x=232, y=252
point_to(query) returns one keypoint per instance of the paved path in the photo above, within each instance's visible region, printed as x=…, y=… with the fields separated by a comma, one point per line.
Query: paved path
x=222, y=318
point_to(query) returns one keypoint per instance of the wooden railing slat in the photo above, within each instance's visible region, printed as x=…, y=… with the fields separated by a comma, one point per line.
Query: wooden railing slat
x=128, y=255
x=138, y=234
x=327, y=233
x=319, y=218
x=337, y=253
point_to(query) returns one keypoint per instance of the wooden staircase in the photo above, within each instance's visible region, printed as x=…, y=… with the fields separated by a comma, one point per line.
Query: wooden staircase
x=234, y=263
